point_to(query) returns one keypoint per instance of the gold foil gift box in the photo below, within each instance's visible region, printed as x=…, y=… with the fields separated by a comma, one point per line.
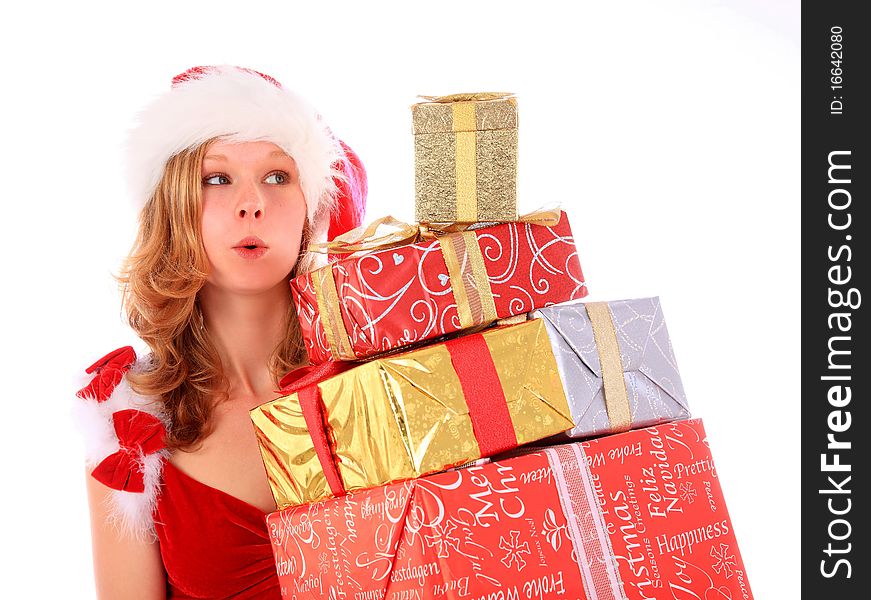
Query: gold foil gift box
x=410, y=414
x=465, y=158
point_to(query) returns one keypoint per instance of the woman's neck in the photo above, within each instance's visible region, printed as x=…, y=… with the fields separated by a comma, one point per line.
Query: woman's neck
x=245, y=330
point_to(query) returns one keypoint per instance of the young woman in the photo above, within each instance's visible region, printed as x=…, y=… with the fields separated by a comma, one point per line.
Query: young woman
x=237, y=176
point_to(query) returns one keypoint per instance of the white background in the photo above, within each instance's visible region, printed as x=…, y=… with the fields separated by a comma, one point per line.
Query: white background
x=669, y=131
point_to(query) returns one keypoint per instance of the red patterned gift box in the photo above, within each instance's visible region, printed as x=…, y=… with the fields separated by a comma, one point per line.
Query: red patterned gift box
x=385, y=299
x=628, y=516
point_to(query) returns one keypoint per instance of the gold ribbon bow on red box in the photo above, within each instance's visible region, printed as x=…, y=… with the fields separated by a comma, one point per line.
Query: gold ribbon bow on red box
x=459, y=246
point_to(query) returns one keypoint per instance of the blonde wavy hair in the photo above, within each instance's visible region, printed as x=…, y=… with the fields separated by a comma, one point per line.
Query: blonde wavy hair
x=160, y=280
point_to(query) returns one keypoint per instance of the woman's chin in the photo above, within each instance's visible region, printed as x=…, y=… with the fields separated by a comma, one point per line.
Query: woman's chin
x=250, y=286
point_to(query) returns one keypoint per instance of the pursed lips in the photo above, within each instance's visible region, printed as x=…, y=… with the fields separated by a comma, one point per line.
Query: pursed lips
x=251, y=248
x=251, y=243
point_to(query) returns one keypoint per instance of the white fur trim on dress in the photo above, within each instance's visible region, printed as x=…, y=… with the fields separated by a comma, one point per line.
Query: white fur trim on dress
x=240, y=106
x=130, y=512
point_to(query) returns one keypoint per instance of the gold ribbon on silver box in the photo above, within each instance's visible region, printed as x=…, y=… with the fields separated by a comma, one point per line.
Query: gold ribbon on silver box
x=616, y=399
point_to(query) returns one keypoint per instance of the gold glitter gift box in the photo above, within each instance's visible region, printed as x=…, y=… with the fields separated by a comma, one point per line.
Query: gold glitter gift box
x=465, y=158
x=410, y=414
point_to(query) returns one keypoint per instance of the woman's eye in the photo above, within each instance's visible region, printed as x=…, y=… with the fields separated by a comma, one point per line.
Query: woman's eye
x=276, y=178
x=216, y=180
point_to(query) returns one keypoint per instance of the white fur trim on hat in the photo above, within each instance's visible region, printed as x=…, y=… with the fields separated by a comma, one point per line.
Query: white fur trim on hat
x=131, y=512
x=236, y=105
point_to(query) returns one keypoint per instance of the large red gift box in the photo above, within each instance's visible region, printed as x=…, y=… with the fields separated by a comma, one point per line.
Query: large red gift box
x=628, y=516
x=381, y=300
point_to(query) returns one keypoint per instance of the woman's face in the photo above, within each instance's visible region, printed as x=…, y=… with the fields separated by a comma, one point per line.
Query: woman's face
x=253, y=215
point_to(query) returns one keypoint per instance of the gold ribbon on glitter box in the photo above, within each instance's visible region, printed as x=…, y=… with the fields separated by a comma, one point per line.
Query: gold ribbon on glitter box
x=410, y=414
x=465, y=157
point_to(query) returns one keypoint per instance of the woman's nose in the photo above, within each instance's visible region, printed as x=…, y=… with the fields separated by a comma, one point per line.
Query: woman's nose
x=250, y=204
x=253, y=212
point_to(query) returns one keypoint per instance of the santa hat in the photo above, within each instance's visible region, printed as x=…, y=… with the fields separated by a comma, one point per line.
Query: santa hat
x=240, y=104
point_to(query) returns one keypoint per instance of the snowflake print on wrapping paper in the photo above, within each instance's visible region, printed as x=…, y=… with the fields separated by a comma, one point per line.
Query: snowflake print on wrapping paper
x=443, y=539
x=723, y=561
x=513, y=549
x=552, y=531
x=687, y=493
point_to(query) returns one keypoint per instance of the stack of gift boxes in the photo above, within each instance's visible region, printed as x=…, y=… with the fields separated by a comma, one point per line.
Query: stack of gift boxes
x=468, y=429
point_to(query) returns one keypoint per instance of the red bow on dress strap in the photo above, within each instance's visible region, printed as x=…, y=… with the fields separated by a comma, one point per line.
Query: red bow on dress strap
x=139, y=435
x=109, y=371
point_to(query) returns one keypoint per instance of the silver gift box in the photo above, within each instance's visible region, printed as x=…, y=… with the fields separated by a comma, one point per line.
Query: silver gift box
x=643, y=350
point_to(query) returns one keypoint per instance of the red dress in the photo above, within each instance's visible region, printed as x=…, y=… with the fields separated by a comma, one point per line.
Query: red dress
x=213, y=545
